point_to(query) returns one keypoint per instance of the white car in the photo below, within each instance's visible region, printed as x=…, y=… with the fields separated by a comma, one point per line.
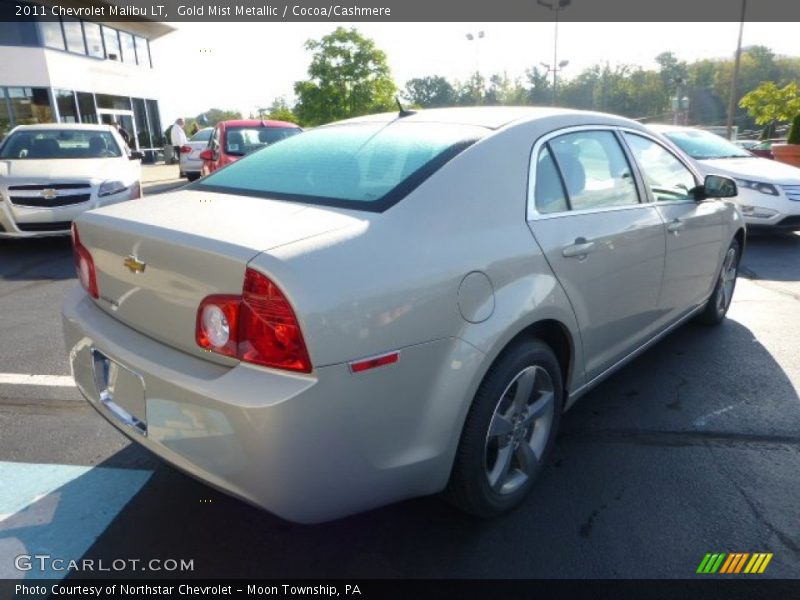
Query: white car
x=51, y=173
x=190, y=162
x=769, y=191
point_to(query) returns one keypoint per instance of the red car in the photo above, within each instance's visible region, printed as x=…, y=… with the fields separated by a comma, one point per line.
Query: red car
x=232, y=140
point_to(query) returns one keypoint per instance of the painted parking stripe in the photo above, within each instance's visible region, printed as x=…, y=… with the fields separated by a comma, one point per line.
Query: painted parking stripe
x=45, y=380
x=58, y=510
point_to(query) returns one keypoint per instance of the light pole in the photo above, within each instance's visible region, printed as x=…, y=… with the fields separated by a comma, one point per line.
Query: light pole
x=556, y=6
x=735, y=78
x=477, y=37
x=555, y=71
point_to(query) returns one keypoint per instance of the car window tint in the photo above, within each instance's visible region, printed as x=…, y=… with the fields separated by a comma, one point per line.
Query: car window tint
x=347, y=165
x=549, y=191
x=595, y=170
x=666, y=176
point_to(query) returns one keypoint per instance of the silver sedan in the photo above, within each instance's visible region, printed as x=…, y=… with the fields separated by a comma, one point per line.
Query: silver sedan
x=396, y=305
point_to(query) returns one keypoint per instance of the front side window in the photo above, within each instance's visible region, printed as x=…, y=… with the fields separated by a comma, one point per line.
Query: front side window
x=594, y=169
x=42, y=144
x=666, y=176
x=368, y=166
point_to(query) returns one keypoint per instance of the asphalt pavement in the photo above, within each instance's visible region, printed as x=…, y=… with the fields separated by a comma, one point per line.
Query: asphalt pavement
x=692, y=448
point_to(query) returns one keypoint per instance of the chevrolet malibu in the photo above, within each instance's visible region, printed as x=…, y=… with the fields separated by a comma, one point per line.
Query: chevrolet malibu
x=51, y=173
x=395, y=305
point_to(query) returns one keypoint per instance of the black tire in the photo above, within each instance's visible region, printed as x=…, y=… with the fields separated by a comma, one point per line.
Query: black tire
x=469, y=487
x=718, y=304
x=193, y=176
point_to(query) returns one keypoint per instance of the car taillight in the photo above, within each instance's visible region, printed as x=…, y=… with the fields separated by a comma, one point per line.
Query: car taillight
x=84, y=265
x=259, y=326
x=186, y=149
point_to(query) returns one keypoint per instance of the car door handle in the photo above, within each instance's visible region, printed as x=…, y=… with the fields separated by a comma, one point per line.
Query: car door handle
x=579, y=249
x=675, y=226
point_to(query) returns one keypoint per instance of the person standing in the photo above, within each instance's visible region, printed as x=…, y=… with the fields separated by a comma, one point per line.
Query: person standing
x=178, y=138
x=122, y=132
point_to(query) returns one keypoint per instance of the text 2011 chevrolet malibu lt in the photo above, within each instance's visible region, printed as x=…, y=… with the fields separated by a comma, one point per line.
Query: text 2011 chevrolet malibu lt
x=395, y=305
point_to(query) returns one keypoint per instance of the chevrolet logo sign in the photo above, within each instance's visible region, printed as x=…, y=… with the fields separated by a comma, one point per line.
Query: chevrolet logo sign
x=134, y=265
x=49, y=194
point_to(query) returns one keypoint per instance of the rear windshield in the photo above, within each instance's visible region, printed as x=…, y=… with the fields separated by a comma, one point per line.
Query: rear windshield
x=244, y=140
x=202, y=136
x=366, y=166
x=59, y=144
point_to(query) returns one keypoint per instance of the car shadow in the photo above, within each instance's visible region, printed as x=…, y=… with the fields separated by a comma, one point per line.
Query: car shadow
x=607, y=492
x=772, y=256
x=36, y=259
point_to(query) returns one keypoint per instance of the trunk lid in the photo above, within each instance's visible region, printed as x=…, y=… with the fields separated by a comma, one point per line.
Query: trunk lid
x=157, y=258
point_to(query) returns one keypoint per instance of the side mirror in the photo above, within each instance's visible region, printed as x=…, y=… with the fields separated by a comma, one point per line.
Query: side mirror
x=718, y=186
x=136, y=155
x=206, y=154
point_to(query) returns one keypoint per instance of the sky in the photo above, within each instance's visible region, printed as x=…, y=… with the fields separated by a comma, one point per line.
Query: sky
x=243, y=66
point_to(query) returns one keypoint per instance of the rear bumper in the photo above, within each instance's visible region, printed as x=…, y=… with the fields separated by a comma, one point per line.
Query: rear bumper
x=307, y=448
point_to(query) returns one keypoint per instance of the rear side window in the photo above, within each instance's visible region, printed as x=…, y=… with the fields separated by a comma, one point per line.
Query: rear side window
x=549, y=193
x=366, y=166
x=594, y=169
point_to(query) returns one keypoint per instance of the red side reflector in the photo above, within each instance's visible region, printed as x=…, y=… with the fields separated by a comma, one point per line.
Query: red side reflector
x=371, y=363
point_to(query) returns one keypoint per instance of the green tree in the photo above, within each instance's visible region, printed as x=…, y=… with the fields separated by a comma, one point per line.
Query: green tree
x=430, y=92
x=280, y=110
x=348, y=76
x=768, y=103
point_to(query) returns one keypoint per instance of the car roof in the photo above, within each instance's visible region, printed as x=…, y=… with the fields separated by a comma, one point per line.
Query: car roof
x=490, y=117
x=258, y=123
x=51, y=126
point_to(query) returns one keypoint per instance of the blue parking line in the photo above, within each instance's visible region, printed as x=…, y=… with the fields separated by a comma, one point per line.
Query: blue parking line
x=57, y=510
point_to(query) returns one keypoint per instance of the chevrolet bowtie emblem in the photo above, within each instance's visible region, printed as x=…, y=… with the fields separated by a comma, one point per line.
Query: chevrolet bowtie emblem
x=49, y=194
x=134, y=265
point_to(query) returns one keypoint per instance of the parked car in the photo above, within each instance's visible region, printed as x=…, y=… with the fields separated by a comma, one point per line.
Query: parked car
x=51, y=173
x=394, y=306
x=232, y=140
x=764, y=149
x=769, y=191
x=191, y=164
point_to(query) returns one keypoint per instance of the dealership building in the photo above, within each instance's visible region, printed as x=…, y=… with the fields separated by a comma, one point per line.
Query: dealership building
x=75, y=71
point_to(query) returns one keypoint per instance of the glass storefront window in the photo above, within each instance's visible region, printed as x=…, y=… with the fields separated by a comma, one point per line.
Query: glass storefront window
x=155, y=123
x=111, y=39
x=143, y=52
x=128, y=50
x=5, y=118
x=74, y=34
x=94, y=39
x=113, y=102
x=142, y=131
x=18, y=33
x=86, y=108
x=52, y=36
x=67, y=111
x=30, y=105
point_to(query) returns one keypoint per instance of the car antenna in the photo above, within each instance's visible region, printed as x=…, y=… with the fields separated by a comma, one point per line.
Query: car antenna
x=404, y=112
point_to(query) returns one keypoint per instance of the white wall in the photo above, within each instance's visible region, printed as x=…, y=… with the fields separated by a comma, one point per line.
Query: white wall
x=41, y=67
